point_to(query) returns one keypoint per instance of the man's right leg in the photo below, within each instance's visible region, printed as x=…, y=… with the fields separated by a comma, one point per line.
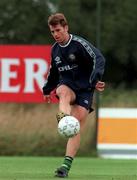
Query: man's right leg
x=66, y=98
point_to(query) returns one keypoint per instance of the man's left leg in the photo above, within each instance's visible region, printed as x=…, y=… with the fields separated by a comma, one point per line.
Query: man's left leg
x=66, y=97
x=73, y=143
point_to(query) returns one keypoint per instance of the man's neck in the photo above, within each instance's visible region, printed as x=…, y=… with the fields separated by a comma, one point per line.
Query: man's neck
x=65, y=42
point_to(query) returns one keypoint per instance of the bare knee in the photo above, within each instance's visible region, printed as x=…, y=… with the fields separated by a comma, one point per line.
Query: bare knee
x=80, y=113
x=65, y=93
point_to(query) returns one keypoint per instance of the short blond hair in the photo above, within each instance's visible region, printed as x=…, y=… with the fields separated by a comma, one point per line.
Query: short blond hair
x=57, y=18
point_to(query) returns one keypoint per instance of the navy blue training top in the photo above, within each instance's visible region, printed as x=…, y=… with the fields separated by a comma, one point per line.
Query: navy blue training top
x=78, y=62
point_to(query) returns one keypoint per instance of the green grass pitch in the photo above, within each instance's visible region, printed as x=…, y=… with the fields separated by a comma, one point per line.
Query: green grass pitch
x=42, y=168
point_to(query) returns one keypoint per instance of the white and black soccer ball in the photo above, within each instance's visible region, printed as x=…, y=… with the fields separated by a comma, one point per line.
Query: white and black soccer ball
x=68, y=126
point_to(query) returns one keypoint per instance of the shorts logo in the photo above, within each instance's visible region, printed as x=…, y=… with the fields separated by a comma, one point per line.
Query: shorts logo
x=86, y=101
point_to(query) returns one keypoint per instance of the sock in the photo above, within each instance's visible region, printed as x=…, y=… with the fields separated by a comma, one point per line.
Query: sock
x=67, y=163
x=60, y=115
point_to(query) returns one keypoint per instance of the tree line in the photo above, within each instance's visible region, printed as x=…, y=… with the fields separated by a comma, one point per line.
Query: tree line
x=25, y=22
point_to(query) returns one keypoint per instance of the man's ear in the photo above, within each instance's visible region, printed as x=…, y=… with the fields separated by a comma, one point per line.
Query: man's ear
x=66, y=28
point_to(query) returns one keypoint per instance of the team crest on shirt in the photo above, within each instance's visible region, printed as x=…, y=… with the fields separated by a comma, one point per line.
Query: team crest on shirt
x=72, y=57
x=57, y=60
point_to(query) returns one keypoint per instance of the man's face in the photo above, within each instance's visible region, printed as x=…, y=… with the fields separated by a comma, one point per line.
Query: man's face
x=59, y=33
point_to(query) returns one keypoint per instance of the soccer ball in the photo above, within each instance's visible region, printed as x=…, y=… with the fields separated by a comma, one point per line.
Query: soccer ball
x=68, y=126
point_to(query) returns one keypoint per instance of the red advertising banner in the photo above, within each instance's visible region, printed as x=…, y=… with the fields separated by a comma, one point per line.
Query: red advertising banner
x=23, y=72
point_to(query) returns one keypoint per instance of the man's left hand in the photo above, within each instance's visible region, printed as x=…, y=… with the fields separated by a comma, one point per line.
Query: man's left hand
x=100, y=86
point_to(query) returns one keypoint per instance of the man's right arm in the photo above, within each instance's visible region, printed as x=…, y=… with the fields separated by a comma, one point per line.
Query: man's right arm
x=52, y=80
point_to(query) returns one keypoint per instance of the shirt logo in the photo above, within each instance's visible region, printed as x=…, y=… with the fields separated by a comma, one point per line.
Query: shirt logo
x=67, y=67
x=57, y=60
x=72, y=57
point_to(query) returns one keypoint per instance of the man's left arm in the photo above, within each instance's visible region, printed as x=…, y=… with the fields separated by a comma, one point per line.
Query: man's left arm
x=96, y=60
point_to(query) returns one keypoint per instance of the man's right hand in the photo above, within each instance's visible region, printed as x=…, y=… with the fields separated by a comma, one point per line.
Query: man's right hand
x=47, y=98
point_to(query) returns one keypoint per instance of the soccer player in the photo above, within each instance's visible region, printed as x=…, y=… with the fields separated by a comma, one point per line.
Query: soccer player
x=76, y=71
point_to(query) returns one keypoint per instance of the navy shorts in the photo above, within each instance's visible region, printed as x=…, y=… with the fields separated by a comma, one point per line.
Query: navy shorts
x=84, y=97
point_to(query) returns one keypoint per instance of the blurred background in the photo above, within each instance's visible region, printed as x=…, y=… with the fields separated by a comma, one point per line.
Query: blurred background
x=30, y=128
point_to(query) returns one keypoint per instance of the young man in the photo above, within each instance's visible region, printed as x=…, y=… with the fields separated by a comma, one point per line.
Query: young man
x=76, y=70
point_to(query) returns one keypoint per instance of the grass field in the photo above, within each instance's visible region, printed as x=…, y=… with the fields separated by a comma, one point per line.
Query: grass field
x=42, y=168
